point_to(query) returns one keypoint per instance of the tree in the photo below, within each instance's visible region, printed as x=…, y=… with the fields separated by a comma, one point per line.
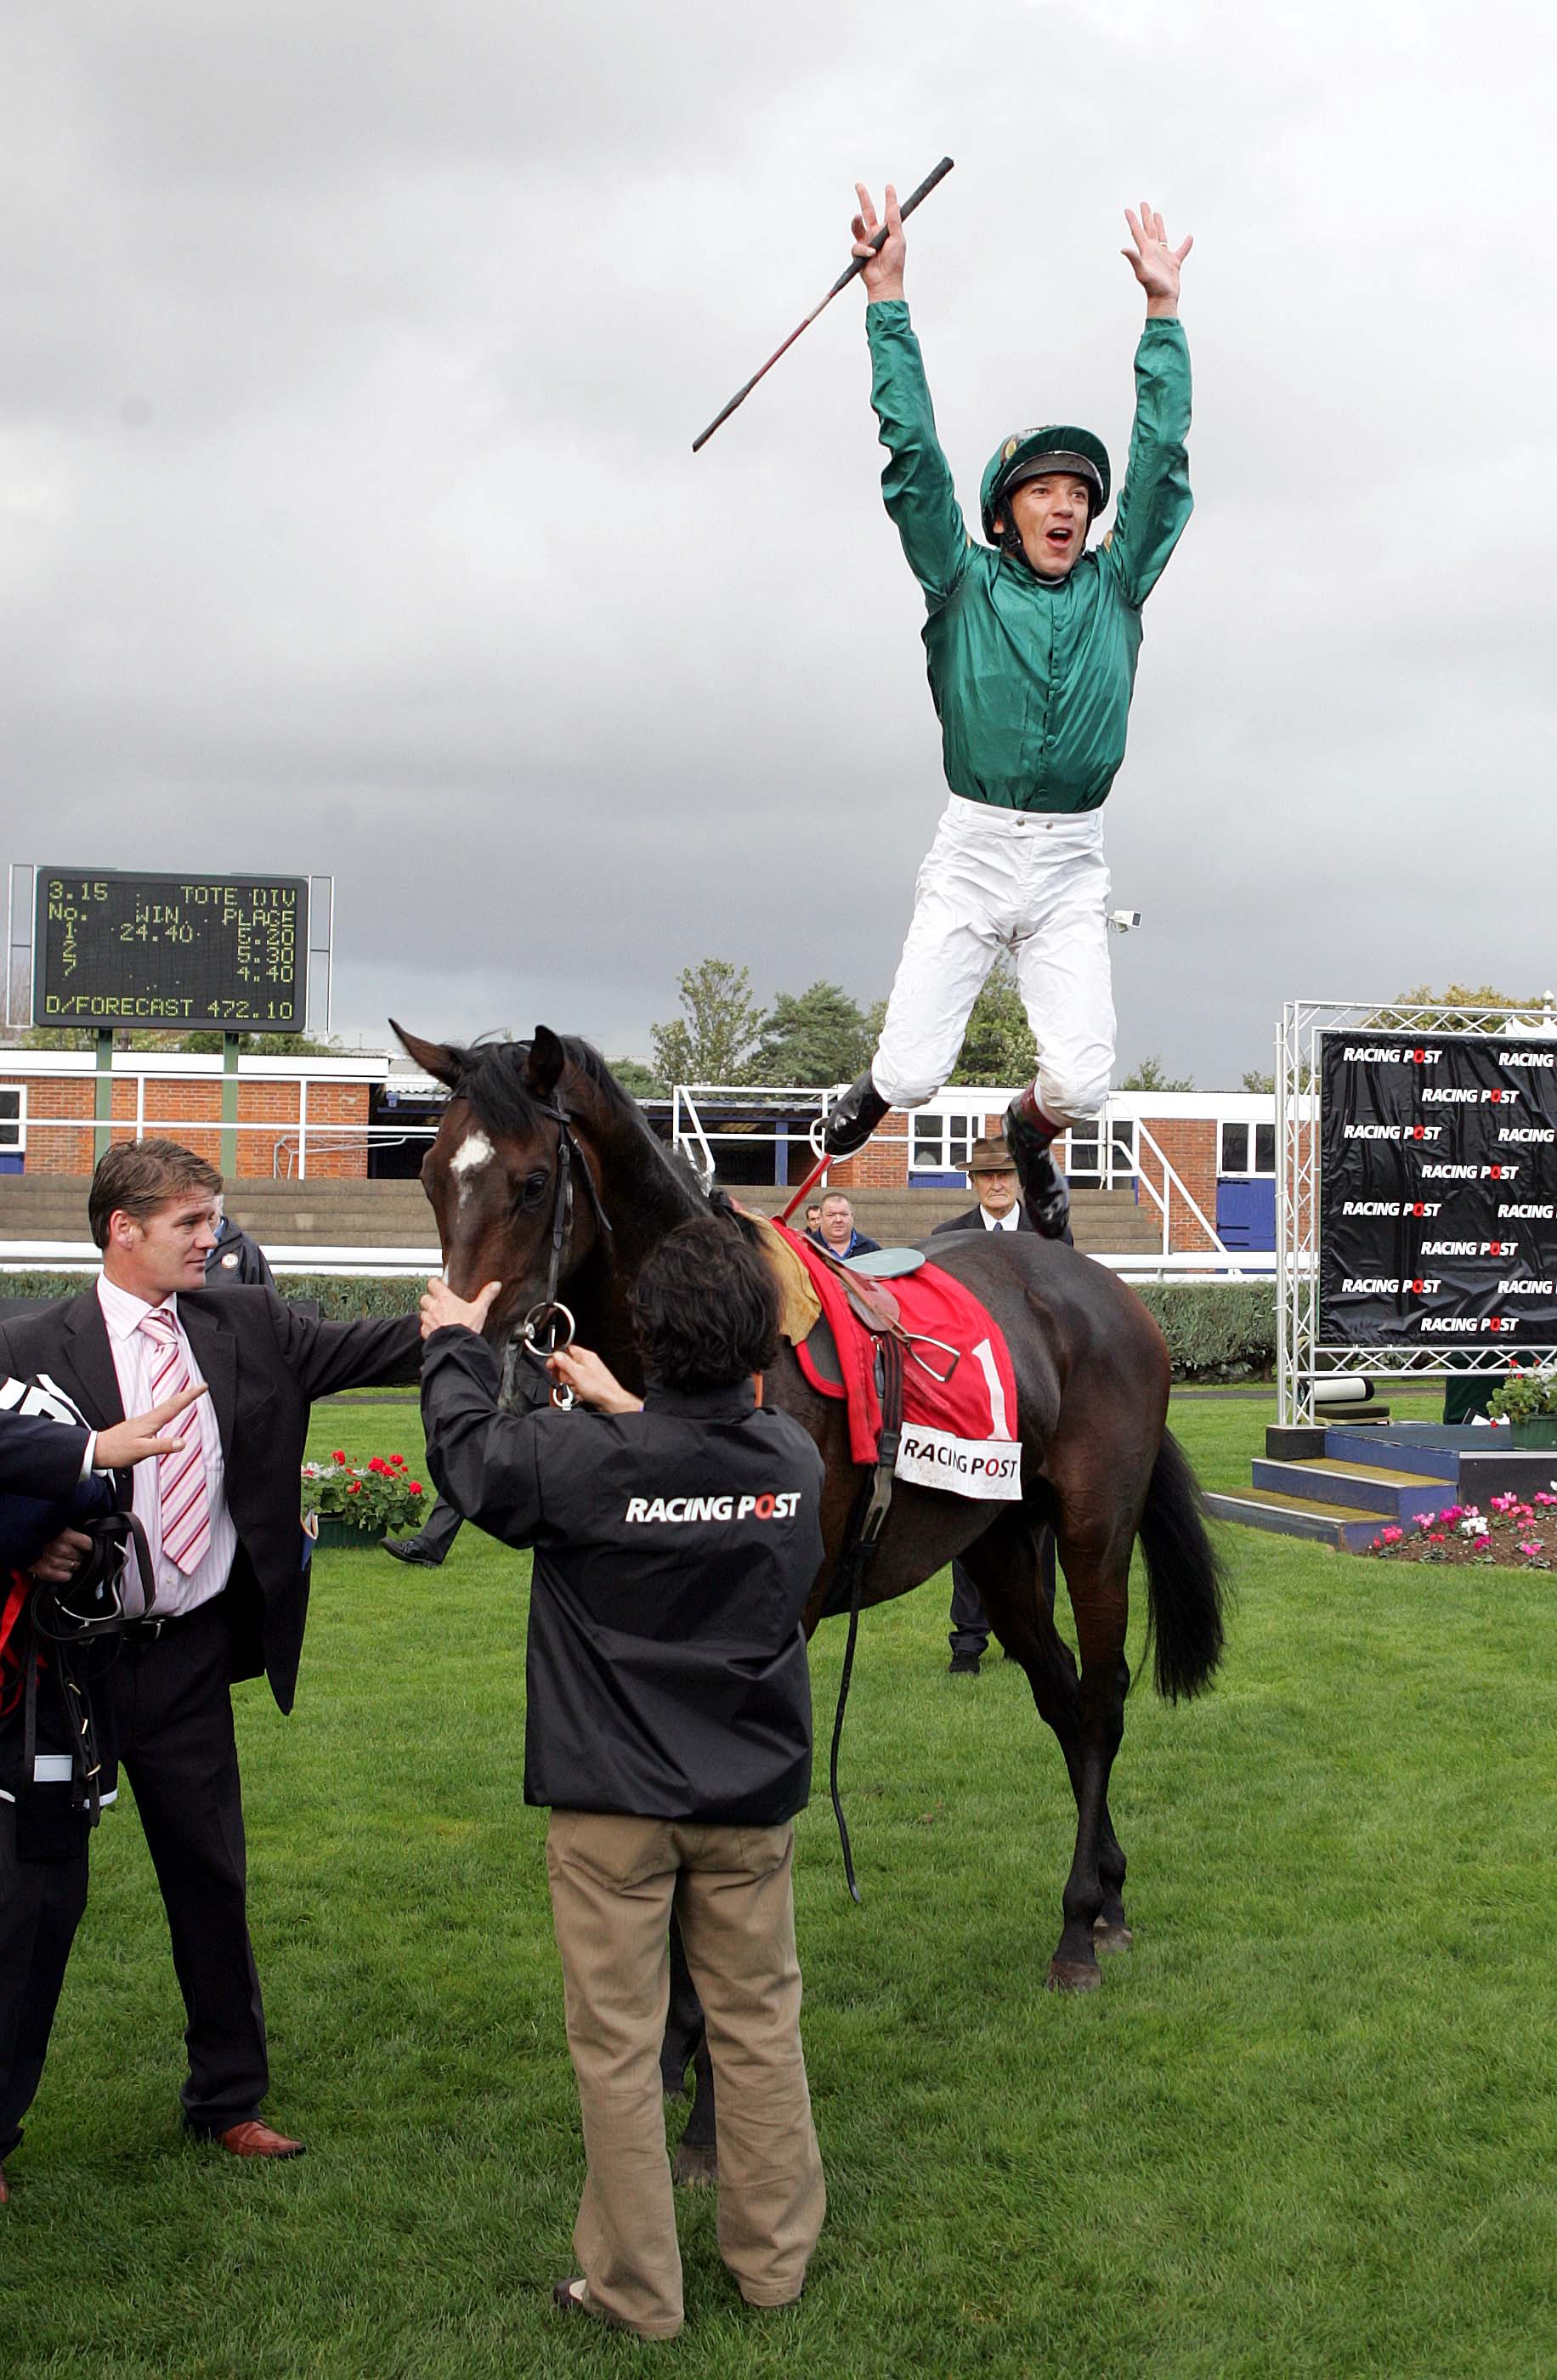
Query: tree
x=1468, y=1010
x=813, y=1037
x=1255, y=1081
x=712, y=1039
x=1148, y=1076
x=639, y=1078
x=998, y=1049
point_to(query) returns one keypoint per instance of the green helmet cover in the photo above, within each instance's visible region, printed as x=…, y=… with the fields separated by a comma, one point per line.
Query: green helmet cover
x=1014, y=458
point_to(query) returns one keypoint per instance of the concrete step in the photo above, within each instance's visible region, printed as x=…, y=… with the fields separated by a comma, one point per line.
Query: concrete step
x=1393, y=1495
x=1341, y=1527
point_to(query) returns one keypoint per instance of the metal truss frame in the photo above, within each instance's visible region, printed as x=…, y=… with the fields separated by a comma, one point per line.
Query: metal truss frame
x=1302, y=1361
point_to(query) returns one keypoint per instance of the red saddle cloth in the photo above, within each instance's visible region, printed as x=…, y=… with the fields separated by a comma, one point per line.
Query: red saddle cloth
x=952, y=1333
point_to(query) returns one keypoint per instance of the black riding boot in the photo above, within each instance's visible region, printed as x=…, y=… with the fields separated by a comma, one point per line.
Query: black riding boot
x=855, y=1118
x=1045, y=1193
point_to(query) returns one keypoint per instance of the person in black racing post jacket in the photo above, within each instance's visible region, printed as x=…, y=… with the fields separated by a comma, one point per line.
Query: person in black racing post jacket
x=668, y=1726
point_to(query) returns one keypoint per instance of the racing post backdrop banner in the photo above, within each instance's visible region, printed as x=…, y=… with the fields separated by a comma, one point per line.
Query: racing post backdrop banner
x=1437, y=1189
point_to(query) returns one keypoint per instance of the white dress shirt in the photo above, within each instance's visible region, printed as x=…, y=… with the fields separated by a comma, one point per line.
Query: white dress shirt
x=134, y=1355
x=1008, y=1223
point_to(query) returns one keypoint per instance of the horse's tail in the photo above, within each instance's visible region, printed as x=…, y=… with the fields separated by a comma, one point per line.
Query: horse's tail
x=1185, y=1581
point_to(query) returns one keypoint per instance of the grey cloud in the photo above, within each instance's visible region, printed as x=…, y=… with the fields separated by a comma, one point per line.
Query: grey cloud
x=348, y=518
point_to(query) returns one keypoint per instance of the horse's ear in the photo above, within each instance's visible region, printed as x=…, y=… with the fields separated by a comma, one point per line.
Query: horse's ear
x=435, y=1058
x=543, y=1063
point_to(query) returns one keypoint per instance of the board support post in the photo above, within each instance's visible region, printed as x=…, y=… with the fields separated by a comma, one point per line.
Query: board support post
x=229, y=1105
x=103, y=1099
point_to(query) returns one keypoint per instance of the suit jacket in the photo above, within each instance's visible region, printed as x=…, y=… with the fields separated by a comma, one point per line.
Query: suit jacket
x=264, y=1363
x=42, y=1489
x=972, y=1219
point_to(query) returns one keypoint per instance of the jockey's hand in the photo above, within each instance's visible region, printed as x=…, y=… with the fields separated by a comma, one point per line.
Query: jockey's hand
x=61, y=1558
x=592, y=1382
x=884, y=275
x=1153, y=263
x=440, y=1308
x=141, y=1437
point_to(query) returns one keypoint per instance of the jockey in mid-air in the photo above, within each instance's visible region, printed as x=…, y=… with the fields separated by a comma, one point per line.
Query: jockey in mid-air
x=1032, y=641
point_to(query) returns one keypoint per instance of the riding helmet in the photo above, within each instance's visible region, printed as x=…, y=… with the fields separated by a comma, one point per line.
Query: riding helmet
x=1030, y=454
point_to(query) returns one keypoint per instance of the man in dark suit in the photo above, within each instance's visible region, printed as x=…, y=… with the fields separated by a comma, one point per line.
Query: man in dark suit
x=231, y=1591
x=991, y=1177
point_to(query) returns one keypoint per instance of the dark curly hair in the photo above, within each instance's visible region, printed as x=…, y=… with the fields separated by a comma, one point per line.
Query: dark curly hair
x=705, y=1307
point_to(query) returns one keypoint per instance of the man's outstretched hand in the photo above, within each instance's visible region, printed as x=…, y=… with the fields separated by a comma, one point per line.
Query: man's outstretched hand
x=882, y=275
x=1153, y=263
x=441, y=1308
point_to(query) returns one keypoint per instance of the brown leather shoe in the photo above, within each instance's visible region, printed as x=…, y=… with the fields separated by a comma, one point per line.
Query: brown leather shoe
x=256, y=2140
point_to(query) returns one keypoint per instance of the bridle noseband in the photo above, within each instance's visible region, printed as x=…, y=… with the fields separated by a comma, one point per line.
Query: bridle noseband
x=549, y=1327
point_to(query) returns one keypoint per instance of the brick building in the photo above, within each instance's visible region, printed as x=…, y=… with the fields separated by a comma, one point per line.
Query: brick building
x=296, y=1117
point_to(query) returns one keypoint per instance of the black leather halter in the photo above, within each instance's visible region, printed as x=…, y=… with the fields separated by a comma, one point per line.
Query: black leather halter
x=549, y=1327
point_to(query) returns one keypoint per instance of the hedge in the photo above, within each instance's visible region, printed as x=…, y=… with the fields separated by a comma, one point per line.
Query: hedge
x=1214, y=1331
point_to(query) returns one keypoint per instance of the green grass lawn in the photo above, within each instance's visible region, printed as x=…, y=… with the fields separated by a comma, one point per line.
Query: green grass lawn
x=1306, y=2128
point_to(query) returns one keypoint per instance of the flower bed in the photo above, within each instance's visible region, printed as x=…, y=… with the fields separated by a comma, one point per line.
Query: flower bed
x=1511, y=1533
x=372, y=1498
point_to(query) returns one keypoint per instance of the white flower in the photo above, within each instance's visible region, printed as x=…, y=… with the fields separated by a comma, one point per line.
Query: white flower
x=1473, y=1525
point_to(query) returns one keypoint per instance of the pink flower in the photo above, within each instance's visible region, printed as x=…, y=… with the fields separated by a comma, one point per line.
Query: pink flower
x=1392, y=1536
x=1531, y=1546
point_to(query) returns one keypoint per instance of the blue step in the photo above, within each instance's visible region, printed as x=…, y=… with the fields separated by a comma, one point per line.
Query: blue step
x=1390, y=1493
x=1342, y=1528
x=1383, y=1449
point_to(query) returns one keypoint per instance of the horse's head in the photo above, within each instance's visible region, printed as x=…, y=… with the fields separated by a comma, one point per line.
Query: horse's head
x=509, y=1174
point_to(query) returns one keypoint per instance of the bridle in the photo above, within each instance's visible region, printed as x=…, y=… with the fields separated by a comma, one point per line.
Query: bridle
x=549, y=1327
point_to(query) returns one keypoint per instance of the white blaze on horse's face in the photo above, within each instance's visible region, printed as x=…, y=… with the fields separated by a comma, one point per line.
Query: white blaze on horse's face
x=474, y=1152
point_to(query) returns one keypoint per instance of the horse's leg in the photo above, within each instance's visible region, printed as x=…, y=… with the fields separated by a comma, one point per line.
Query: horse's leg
x=1086, y=1714
x=684, y=2019
x=685, y=2041
x=1013, y=1566
x=1097, y=1565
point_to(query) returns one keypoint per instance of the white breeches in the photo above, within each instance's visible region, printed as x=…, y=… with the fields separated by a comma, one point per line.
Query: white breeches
x=1032, y=882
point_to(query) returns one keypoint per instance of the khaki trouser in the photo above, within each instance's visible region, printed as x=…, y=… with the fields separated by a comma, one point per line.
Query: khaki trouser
x=613, y=1881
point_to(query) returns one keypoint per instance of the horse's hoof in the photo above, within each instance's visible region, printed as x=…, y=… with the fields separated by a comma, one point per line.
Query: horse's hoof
x=696, y=2168
x=1074, y=1975
x=1111, y=1937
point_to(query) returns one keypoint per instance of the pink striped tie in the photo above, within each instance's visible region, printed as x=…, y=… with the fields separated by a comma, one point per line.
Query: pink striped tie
x=186, y=1508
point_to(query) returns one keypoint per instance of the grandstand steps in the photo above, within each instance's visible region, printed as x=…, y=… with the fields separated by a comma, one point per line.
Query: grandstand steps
x=356, y=1213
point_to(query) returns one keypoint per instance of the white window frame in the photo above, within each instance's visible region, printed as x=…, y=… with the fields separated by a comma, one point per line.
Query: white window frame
x=17, y=1126
x=1084, y=1147
x=955, y=1132
x=1248, y=1171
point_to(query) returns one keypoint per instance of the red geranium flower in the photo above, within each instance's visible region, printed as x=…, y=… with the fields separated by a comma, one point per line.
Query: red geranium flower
x=397, y=1463
x=413, y=1487
x=355, y=1488
x=337, y=1456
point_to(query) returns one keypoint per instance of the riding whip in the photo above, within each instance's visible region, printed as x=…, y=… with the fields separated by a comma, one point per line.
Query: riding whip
x=857, y=264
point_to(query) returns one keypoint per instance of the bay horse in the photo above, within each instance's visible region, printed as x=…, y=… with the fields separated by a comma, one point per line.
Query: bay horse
x=1092, y=1377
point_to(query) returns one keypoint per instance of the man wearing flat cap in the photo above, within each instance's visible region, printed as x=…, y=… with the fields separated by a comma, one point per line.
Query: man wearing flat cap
x=991, y=1177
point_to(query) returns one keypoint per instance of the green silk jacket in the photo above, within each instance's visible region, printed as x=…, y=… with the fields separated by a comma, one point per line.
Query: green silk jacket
x=1031, y=680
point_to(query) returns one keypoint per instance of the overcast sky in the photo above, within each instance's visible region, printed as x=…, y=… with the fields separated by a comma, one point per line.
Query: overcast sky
x=352, y=357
